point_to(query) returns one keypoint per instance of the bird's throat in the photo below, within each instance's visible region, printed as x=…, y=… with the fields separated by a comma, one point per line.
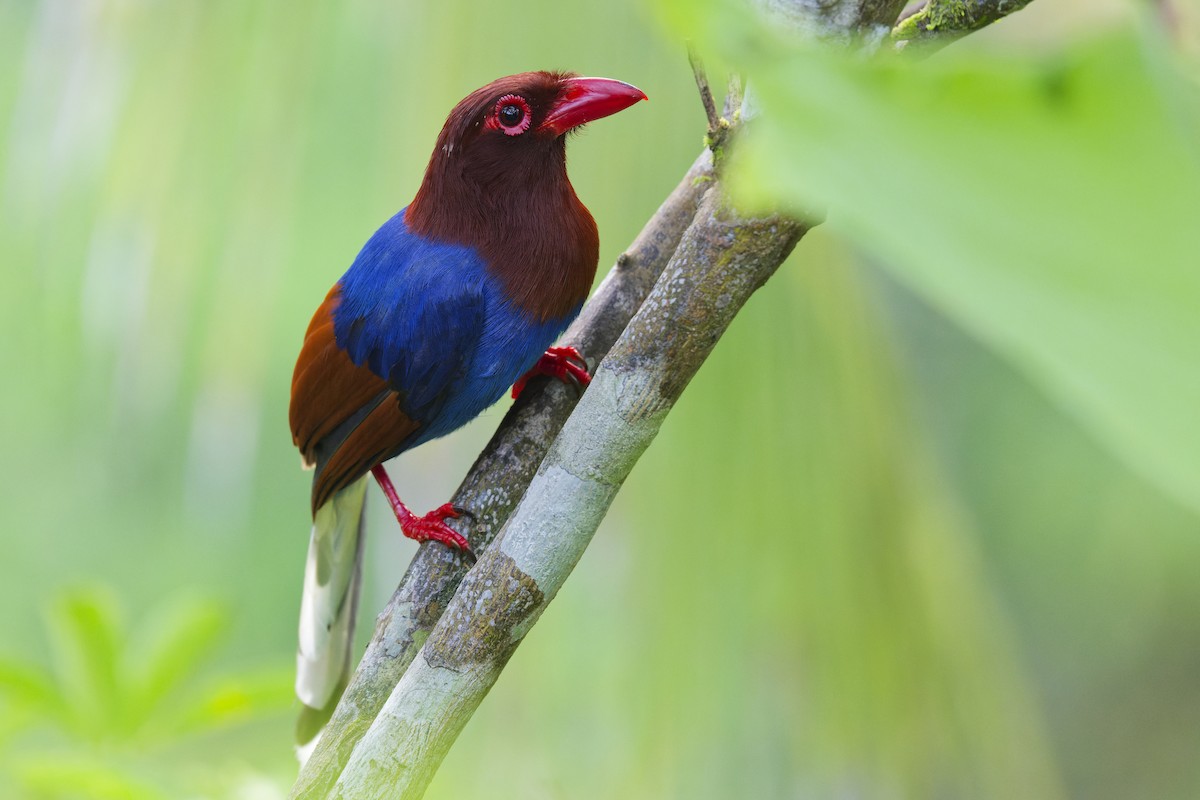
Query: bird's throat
x=521, y=215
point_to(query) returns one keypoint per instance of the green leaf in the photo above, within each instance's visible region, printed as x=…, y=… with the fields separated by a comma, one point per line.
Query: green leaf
x=239, y=699
x=1048, y=205
x=28, y=686
x=87, y=638
x=74, y=776
x=171, y=648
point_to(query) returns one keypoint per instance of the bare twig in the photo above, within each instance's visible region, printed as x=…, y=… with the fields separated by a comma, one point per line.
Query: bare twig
x=718, y=126
x=706, y=95
x=733, y=94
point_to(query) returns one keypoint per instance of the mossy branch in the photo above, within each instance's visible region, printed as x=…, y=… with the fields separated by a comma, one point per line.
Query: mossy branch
x=937, y=23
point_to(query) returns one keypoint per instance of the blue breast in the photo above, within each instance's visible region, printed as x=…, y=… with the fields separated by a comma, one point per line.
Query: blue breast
x=430, y=318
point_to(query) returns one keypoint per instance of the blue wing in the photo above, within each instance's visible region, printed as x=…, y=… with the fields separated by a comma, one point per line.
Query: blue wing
x=413, y=311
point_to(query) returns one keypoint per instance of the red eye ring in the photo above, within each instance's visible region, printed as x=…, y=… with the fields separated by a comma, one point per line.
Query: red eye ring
x=512, y=115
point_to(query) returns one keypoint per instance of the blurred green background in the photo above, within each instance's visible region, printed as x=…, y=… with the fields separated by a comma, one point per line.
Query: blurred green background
x=867, y=557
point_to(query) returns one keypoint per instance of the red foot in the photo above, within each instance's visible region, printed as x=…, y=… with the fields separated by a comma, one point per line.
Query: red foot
x=432, y=526
x=563, y=363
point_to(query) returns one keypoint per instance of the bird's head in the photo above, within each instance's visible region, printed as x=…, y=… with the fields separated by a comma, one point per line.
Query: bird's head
x=510, y=133
x=531, y=110
x=497, y=182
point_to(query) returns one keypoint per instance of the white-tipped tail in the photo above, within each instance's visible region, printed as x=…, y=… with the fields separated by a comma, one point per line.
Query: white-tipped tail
x=331, y=584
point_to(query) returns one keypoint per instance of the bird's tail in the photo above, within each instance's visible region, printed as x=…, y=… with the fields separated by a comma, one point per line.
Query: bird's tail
x=332, y=576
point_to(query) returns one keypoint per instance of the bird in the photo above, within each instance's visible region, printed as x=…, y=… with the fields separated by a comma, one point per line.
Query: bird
x=457, y=297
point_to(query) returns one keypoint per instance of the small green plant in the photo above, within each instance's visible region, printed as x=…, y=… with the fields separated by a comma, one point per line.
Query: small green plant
x=130, y=713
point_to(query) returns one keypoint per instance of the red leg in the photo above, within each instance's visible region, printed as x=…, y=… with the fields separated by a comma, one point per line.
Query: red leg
x=432, y=526
x=563, y=363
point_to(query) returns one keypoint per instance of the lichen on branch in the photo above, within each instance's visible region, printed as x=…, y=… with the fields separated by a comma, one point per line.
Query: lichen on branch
x=939, y=22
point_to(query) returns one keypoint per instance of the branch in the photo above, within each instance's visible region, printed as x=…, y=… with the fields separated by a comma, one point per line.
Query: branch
x=715, y=123
x=867, y=21
x=721, y=261
x=937, y=23
x=495, y=483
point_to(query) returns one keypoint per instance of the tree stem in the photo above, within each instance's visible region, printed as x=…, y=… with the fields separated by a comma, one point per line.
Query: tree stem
x=721, y=261
x=495, y=483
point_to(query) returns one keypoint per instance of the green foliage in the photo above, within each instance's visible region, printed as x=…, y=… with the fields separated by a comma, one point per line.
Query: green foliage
x=1045, y=204
x=117, y=703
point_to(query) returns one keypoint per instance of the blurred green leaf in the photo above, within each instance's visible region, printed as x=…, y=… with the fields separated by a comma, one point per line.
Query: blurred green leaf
x=1045, y=204
x=87, y=638
x=240, y=698
x=123, y=692
x=30, y=687
x=70, y=777
x=172, y=648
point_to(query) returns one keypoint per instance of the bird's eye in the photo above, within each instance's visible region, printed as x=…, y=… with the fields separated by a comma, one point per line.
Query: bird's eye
x=512, y=114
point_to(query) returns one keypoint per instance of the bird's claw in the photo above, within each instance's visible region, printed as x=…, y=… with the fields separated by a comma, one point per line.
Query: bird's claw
x=433, y=527
x=564, y=363
x=570, y=354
